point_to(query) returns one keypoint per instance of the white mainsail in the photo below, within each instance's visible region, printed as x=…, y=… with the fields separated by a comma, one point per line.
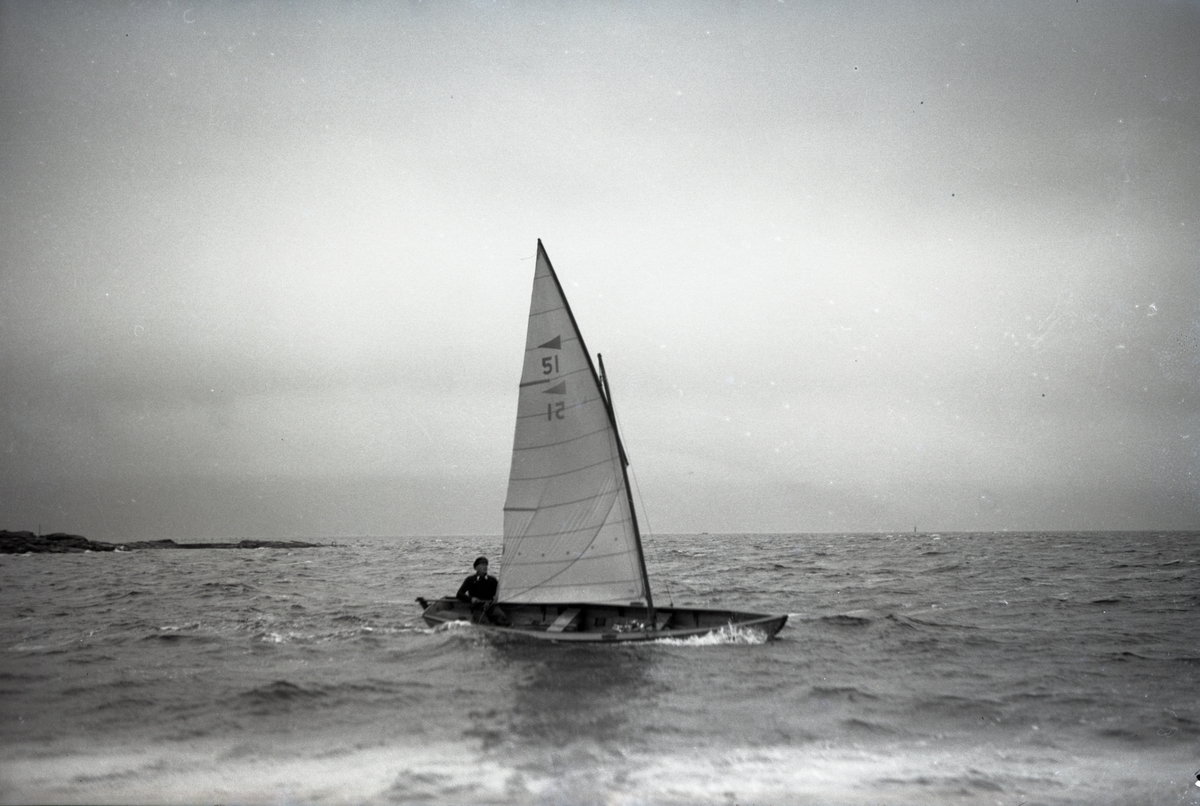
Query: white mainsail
x=569, y=533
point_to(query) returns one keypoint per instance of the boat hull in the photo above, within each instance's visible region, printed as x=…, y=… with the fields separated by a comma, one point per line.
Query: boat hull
x=574, y=622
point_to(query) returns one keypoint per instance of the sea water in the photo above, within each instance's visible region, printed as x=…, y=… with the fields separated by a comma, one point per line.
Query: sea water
x=914, y=669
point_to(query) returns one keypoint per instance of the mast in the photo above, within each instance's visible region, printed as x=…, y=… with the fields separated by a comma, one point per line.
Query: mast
x=637, y=533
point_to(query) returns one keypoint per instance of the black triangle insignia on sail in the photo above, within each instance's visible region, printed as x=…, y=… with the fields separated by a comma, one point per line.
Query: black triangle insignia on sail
x=558, y=389
x=554, y=344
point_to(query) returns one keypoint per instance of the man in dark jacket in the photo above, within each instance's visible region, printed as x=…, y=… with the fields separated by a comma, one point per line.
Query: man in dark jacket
x=479, y=591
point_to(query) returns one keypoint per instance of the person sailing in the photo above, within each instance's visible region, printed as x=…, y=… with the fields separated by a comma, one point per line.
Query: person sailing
x=479, y=591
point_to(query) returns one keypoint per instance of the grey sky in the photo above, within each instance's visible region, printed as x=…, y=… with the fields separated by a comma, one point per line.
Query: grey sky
x=265, y=267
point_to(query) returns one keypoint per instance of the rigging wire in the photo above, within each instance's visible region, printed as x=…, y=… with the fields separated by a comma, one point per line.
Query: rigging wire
x=648, y=532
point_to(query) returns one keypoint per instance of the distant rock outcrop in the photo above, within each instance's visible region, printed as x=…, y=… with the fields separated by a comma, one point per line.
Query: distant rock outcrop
x=241, y=544
x=59, y=543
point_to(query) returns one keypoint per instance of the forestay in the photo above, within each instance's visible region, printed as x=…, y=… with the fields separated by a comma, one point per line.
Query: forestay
x=569, y=535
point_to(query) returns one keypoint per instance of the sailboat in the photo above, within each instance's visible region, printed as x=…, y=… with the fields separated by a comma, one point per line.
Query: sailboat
x=572, y=567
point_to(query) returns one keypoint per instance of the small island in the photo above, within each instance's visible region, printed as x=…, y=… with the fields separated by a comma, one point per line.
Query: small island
x=59, y=543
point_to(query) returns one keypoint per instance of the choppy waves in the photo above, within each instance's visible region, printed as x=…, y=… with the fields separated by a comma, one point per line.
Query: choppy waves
x=961, y=669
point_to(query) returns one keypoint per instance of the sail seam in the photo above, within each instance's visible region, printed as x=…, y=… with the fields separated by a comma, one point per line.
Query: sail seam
x=576, y=561
x=565, y=532
x=604, y=429
x=619, y=601
x=543, y=535
x=614, y=491
x=632, y=589
x=625, y=600
x=542, y=414
x=564, y=472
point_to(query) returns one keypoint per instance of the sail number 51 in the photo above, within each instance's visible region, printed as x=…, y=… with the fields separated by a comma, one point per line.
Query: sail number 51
x=554, y=411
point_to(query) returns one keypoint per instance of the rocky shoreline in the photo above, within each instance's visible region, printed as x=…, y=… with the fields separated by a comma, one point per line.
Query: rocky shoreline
x=59, y=543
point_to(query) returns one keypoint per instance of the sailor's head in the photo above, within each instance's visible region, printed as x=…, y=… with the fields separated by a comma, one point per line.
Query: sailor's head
x=481, y=566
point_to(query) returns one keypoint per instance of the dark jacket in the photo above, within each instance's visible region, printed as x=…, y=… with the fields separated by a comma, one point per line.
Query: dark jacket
x=478, y=587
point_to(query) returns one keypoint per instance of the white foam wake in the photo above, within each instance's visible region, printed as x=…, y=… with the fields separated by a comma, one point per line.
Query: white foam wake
x=729, y=634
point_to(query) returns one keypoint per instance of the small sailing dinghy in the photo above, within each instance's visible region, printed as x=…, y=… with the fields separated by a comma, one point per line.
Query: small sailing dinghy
x=572, y=567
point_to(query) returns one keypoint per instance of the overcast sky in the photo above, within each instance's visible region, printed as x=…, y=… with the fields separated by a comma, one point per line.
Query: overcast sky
x=265, y=268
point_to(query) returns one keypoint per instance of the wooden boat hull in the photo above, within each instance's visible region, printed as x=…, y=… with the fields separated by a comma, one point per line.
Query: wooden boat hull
x=602, y=622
